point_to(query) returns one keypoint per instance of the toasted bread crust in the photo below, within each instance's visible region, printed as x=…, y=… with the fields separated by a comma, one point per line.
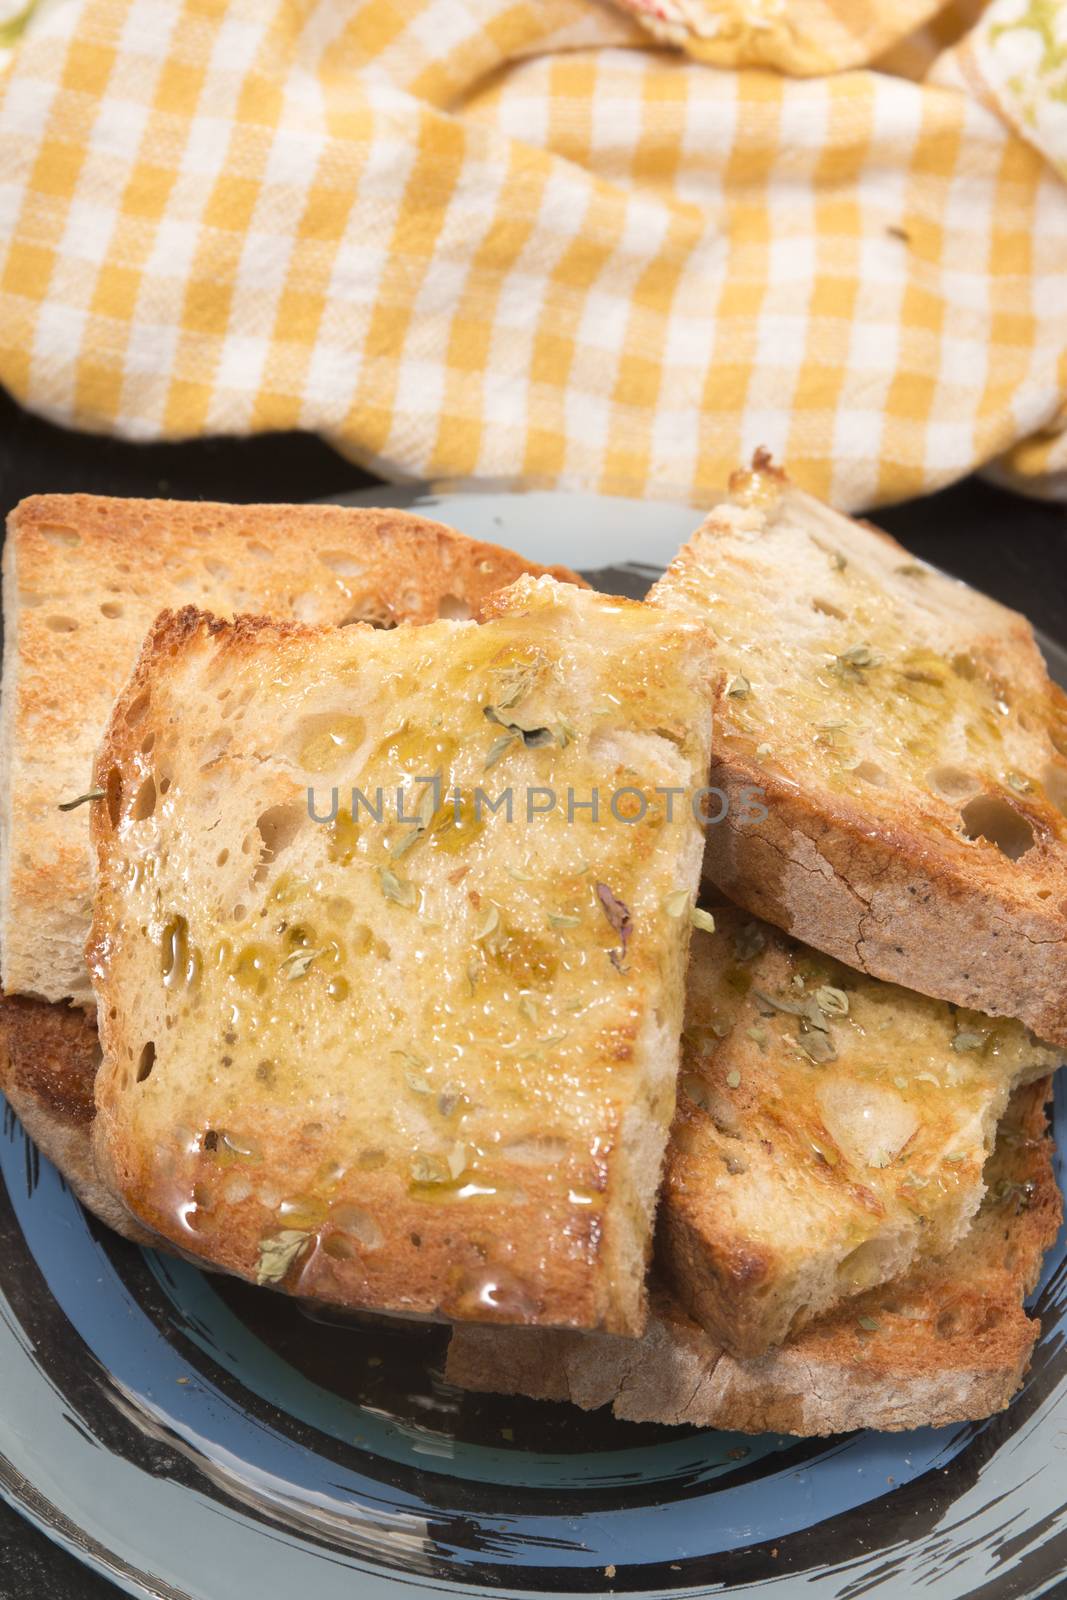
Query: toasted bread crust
x=84, y=576
x=915, y=788
x=817, y=1152
x=949, y=1343
x=884, y=902
x=48, y=1059
x=532, y=1247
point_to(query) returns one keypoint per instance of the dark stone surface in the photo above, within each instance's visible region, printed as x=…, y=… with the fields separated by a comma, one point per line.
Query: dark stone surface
x=32, y=1567
x=1015, y=548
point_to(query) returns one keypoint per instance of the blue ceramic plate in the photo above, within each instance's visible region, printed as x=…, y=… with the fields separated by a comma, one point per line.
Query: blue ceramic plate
x=190, y=1436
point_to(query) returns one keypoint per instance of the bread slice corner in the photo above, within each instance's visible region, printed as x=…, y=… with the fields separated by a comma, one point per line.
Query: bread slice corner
x=911, y=750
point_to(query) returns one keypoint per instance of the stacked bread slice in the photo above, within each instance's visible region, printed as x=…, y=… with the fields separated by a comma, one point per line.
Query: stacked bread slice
x=910, y=746
x=390, y=844
x=858, y=1191
x=947, y=1341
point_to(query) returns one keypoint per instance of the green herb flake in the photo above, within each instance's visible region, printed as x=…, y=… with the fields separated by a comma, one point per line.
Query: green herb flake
x=515, y=683
x=965, y=1040
x=277, y=1254
x=676, y=903
x=498, y=748
x=869, y=1325
x=296, y=965
x=851, y=664
x=397, y=889
x=734, y=1079
x=532, y=738
x=818, y=1047
x=738, y=687
x=834, y=1002
x=83, y=799
x=429, y=1169
x=769, y=1005
x=702, y=919
x=815, y=1017
x=1007, y=1190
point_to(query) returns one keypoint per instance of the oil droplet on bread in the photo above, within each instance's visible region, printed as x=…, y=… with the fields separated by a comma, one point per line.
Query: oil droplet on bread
x=252, y=966
x=180, y=961
x=416, y=752
x=497, y=1293
x=455, y=825
x=327, y=741
x=357, y=1222
x=303, y=1211
x=343, y=839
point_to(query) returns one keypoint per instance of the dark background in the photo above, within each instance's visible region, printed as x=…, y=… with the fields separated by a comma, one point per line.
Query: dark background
x=1015, y=548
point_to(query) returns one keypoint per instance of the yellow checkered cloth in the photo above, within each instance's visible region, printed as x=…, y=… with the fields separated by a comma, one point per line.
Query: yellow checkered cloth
x=551, y=241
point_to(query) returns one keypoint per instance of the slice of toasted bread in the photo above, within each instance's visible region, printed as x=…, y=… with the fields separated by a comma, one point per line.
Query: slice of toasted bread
x=831, y=1130
x=949, y=1342
x=83, y=580
x=910, y=746
x=49, y=1054
x=426, y=1064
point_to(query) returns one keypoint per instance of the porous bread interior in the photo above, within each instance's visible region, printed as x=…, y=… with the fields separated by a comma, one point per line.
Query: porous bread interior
x=831, y=1130
x=84, y=577
x=426, y=1050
